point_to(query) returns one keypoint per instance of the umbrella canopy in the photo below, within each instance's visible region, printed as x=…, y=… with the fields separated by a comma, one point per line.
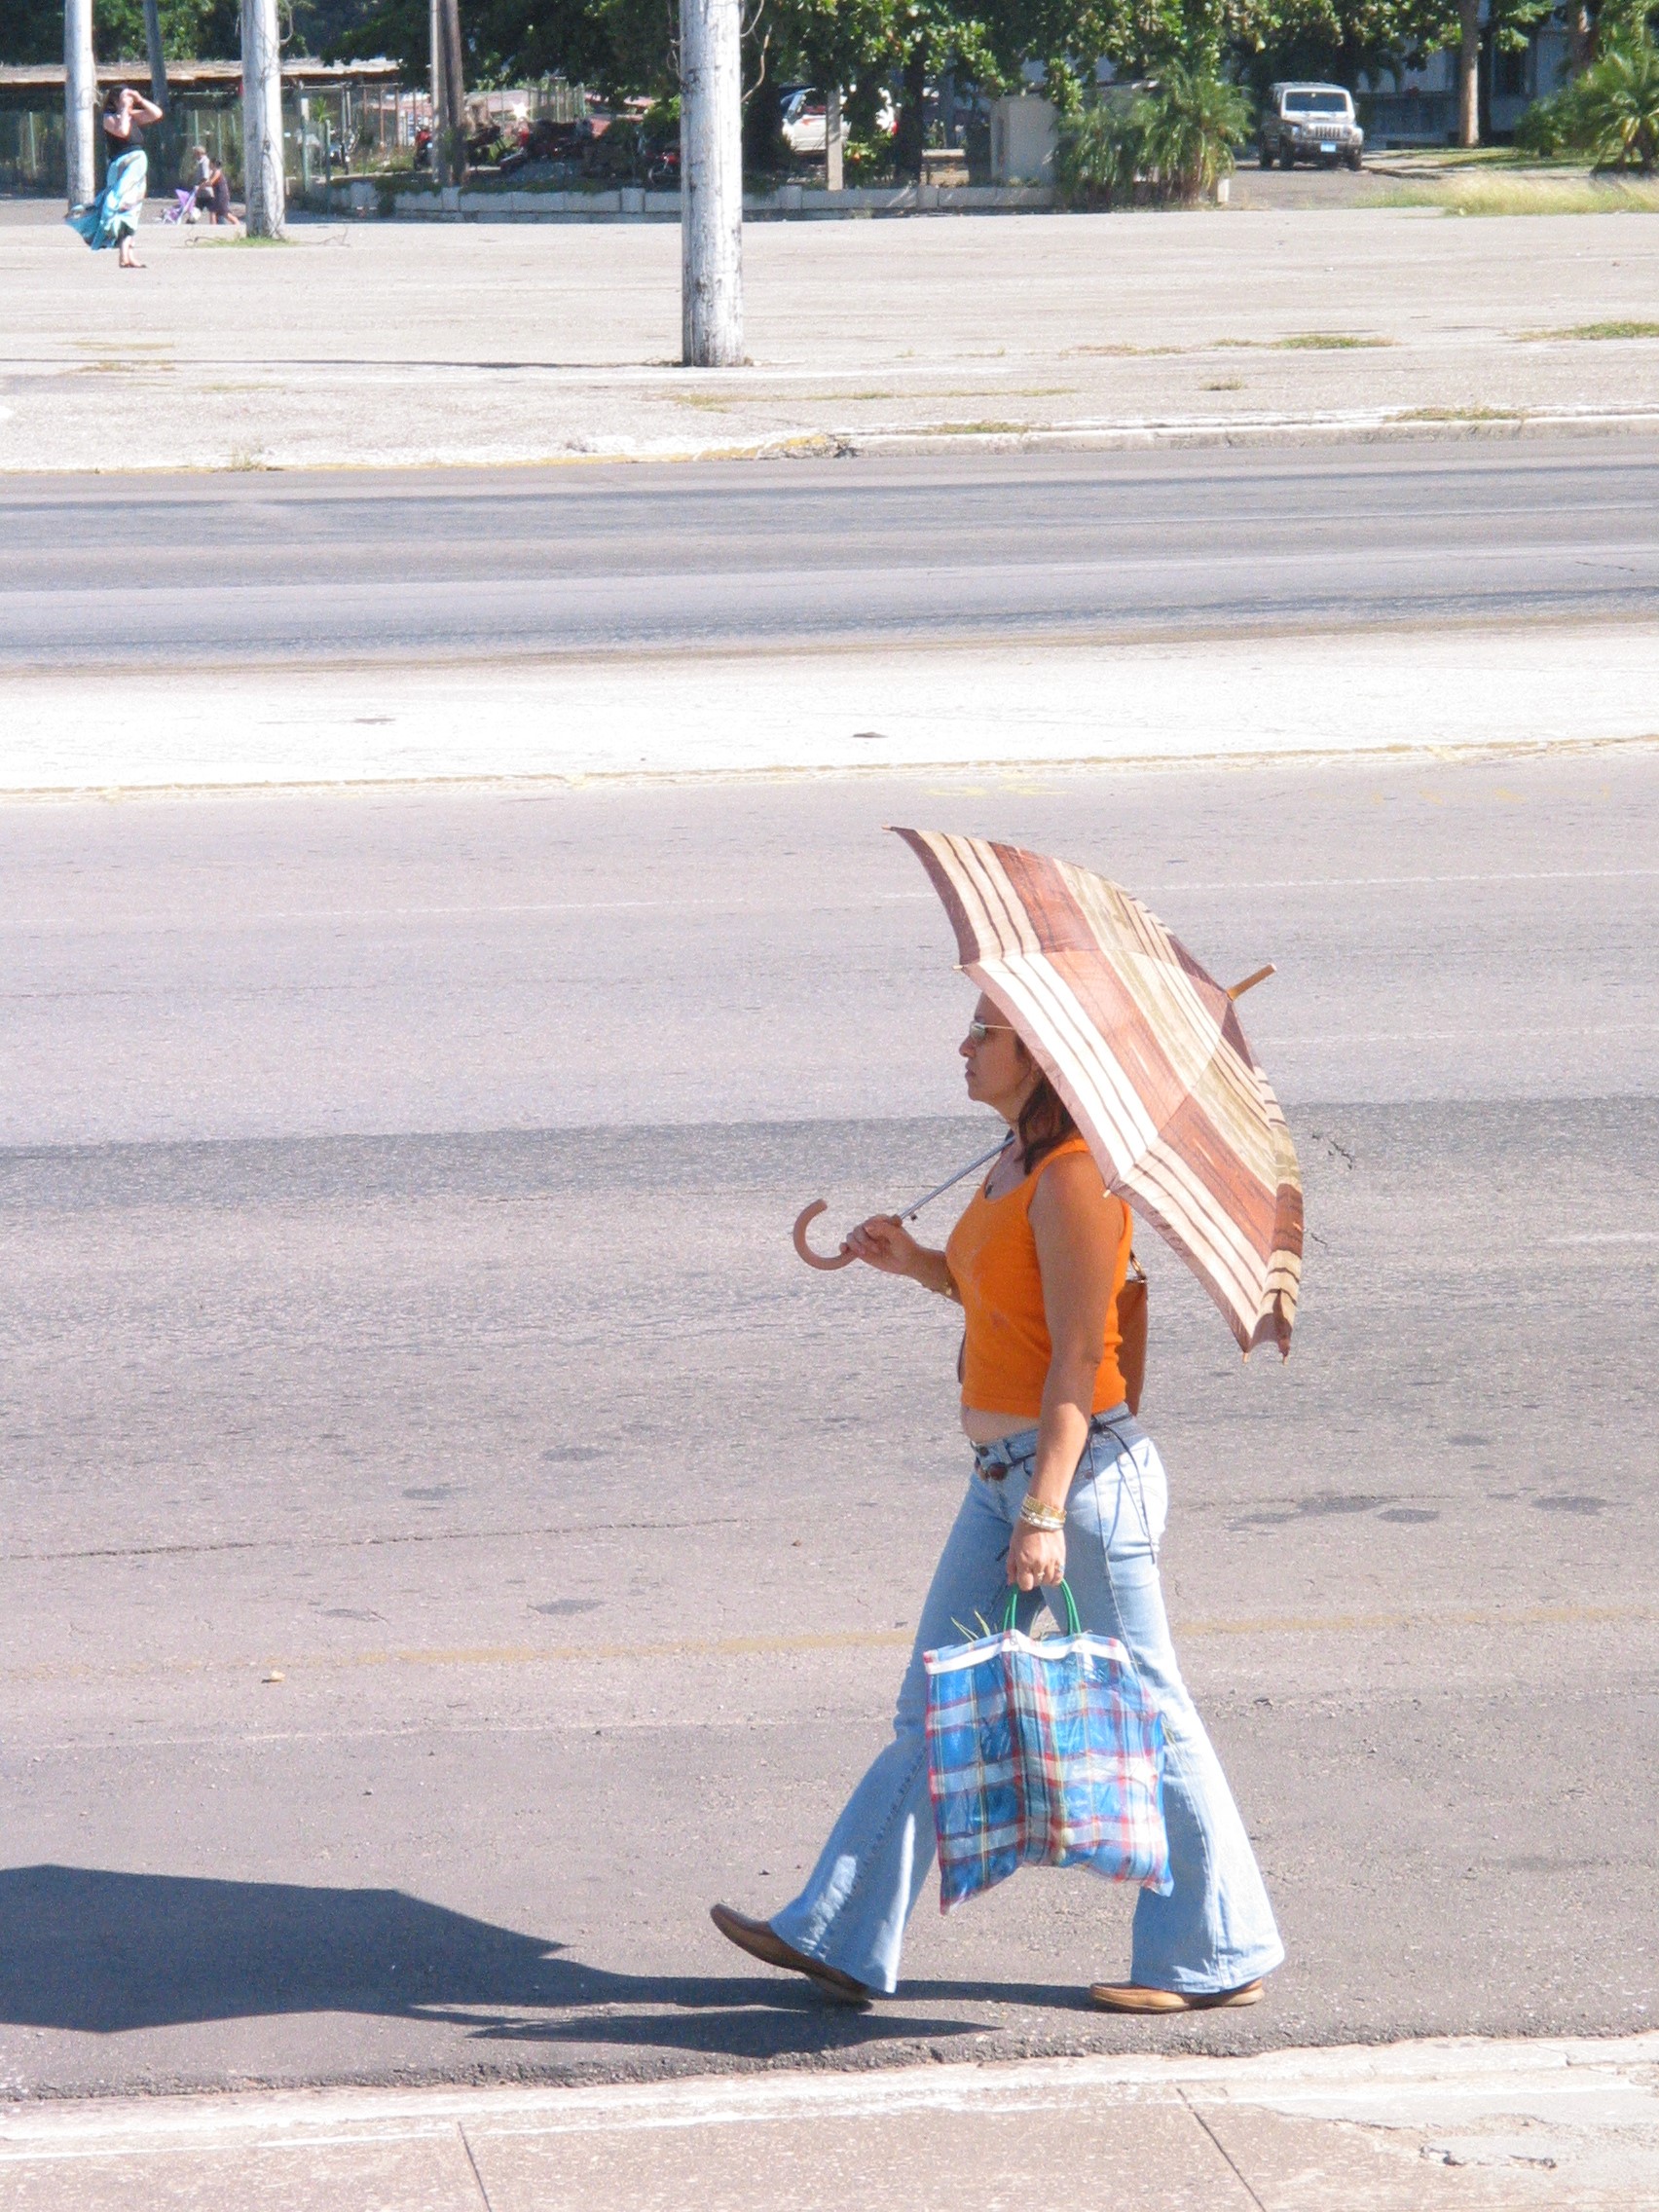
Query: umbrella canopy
x=1146, y=1049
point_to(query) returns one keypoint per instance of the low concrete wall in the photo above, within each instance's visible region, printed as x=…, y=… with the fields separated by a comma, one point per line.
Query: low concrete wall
x=632, y=204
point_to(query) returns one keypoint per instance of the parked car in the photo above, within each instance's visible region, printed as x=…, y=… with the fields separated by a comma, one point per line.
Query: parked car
x=804, y=122
x=1310, y=123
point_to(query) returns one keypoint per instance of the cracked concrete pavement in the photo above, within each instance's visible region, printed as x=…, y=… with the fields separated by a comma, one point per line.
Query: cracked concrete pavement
x=383, y=344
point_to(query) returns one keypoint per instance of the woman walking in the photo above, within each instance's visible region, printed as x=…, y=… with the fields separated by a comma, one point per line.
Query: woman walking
x=1066, y=1485
x=112, y=218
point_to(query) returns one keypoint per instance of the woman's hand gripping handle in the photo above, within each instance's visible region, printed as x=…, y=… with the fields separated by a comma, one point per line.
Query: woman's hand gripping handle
x=885, y=1243
x=1037, y=1558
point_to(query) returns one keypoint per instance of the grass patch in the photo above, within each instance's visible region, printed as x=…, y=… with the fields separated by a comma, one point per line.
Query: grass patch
x=1016, y=391
x=1599, y=330
x=1299, y=342
x=1482, y=157
x=1127, y=352
x=1227, y=384
x=973, y=430
x=1529, y=195
x=711, y=405
x=1325, y=342
x=1461, y=414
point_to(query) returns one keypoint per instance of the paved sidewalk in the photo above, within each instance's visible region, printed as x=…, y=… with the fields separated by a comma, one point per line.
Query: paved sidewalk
x=392, y=344
x=1026, y=707
x=1406, y=2128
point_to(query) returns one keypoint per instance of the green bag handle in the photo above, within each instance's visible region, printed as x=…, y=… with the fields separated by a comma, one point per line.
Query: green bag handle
x=1074, y=1627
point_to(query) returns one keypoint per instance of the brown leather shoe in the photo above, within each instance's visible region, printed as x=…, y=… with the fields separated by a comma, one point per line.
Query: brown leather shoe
x=761, y=1942
x=1129, y=1997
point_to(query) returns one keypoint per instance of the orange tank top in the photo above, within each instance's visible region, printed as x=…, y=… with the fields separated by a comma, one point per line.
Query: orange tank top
x=993, y=1257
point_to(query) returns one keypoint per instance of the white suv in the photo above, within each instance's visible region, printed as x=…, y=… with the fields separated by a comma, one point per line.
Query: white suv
x=1310, y=123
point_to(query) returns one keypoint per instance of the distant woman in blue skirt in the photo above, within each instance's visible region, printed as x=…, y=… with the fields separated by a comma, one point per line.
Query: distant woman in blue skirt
x=112, y=219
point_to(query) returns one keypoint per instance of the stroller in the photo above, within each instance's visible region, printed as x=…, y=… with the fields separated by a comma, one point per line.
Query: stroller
x=183, y=209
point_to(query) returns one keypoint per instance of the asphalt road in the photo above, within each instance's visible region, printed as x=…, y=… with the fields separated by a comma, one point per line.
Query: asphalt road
x=304, y=568
x=398, y=1302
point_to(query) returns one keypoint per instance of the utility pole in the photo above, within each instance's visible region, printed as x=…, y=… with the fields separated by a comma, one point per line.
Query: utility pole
x=264, y=168
x=435, y=49
x=79, y=101
x=711, y=184
x=455, y=90
x=157, y=52
x=449, y=90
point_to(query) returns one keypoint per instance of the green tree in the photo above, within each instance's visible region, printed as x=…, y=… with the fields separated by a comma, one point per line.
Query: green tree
x=1171, y=141
x=32, y=30
x=1191, y=122
x=1620, y=107
x=1346, y=39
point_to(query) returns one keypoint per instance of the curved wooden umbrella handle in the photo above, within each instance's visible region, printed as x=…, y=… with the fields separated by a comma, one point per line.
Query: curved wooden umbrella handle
x=803, y=1222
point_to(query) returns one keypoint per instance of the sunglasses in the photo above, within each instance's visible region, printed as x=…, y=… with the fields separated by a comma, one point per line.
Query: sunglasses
x=978, y=1031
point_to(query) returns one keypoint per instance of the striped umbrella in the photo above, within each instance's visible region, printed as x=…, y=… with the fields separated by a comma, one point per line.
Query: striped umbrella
x=1146, y=1049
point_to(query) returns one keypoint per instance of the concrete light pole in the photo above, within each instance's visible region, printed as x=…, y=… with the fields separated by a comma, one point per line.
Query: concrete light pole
x=711, y=183
x=264, y=170
x=79, y=101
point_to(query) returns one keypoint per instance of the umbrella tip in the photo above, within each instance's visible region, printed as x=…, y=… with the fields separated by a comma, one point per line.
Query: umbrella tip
x=1237, y=991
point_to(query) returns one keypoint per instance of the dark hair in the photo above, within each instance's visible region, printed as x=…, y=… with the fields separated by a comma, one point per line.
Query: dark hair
x=112, y=100
x=1045, y=1123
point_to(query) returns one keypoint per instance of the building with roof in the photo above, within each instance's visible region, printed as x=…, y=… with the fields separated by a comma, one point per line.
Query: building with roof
x=336, y=115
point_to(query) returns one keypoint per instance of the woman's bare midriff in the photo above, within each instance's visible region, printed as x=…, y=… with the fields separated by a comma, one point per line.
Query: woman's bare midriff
x=981, y=1428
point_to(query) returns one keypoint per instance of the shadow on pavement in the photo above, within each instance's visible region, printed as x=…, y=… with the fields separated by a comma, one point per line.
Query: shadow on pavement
x=107, y=1953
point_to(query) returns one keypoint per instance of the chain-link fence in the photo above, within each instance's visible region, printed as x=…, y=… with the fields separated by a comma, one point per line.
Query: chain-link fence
x=329, y=127
x=330, y=131
x=32, y=151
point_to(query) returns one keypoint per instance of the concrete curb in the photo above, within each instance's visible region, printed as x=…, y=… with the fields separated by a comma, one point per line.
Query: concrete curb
x=1361, y=427
x=1380, y=427
x=1555, y=2123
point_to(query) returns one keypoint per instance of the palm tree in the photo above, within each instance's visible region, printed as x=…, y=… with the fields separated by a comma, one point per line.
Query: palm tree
x=1173, y=140
x=1189, y=121
x=1618, y=103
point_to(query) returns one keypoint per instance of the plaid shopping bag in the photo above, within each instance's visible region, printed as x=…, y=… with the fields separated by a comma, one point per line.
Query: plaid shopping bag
x=1044, y=1754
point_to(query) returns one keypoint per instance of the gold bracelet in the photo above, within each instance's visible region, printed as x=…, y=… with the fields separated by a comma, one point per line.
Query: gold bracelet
x=1036, y=1515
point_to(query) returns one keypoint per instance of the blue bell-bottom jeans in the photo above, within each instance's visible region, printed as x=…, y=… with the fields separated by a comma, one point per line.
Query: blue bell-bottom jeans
x=1215, y=1928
